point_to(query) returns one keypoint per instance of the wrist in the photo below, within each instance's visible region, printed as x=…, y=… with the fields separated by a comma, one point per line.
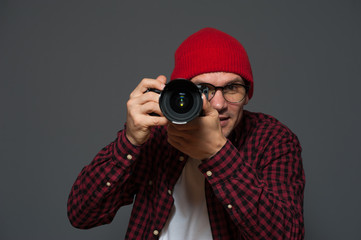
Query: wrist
x=219, y=146
x=131, y=139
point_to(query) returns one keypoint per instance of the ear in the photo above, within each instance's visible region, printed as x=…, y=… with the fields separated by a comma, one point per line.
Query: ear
x=246, y=100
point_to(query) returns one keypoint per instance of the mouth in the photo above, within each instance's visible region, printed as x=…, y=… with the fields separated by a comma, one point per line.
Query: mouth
x=223, y=120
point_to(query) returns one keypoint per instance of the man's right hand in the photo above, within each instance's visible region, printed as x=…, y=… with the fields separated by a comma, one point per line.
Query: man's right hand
x=140, y=104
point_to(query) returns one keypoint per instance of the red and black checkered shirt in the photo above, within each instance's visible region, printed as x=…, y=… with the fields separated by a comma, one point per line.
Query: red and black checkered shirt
x=254, y=184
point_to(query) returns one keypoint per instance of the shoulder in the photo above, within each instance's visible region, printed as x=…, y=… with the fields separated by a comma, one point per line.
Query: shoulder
x=263, y=125
x=259, y=118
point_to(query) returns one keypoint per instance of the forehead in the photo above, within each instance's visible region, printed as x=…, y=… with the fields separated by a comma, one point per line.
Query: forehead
x=217, y=78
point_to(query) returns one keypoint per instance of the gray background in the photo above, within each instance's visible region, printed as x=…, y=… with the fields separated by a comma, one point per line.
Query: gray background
x=68, y=67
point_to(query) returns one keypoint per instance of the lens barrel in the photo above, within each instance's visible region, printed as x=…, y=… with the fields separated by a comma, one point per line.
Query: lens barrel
x=181, y=101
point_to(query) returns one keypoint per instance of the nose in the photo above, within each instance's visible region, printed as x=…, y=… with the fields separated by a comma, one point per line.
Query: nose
x=218, y=102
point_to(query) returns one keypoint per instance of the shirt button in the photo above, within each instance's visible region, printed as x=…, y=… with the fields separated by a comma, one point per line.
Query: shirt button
x=150, y=182
x=169, y=192
x=156, y=232
x=229, y=206
x=108, y=184
x=181, y=158
x=129, y=157
x=209, y=173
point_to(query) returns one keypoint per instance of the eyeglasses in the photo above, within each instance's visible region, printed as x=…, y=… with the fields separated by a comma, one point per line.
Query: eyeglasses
x=232, y=93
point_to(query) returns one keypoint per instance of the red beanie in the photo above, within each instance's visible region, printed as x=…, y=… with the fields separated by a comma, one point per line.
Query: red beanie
x=210, y=50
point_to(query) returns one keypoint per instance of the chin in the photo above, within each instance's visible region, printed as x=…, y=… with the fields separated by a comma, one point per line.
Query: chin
x=226, y=132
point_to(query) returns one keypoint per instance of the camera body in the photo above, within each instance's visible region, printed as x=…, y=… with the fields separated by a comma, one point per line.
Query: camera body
x=181, y=100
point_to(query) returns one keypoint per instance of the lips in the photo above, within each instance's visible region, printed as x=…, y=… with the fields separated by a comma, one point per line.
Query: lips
x=223, y=120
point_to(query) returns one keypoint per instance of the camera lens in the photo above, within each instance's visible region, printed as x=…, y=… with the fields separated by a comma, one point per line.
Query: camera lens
x=181, y=101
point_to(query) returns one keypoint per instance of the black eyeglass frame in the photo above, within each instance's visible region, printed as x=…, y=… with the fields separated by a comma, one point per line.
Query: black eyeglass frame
x=246, y=87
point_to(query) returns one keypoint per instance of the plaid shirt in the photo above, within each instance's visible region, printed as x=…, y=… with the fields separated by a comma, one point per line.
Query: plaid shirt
x=254, y=184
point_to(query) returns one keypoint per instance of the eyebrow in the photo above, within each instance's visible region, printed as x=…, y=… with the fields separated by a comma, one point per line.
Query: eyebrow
x=235, y=80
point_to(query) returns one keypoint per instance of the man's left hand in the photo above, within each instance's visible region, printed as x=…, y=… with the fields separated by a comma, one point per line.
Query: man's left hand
x=202, y=137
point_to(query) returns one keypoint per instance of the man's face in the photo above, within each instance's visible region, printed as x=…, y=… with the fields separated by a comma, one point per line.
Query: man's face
x=230, y=114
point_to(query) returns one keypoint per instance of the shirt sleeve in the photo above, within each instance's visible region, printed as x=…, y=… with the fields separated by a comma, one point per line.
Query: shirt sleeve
x=104, y=185
x=264, y=196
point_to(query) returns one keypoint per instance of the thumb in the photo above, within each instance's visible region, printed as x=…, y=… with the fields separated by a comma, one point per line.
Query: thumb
x=207, y=107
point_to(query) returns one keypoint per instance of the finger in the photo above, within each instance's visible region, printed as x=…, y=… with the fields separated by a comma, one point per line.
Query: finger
x=156, y=121
x=162, y=79
x=150, y=107
x=135, y=102
x=148, y=83
x=207, y=107
x=146, y=120
x=148, y=97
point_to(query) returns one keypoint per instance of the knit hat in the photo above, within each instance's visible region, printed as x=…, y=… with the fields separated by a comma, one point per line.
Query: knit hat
x=211, y=50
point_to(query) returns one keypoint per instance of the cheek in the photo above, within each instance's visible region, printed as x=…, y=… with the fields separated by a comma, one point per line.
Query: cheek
x=236, y=113
x=235, y=110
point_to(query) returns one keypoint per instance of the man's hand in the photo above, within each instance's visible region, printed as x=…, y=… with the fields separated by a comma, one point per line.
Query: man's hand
x=202, y=137
x=140, y=104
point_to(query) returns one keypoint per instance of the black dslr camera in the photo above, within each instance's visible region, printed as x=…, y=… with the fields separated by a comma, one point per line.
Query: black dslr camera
x=181, y=100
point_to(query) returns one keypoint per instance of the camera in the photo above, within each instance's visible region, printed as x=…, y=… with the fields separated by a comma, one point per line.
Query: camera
x=181, y=100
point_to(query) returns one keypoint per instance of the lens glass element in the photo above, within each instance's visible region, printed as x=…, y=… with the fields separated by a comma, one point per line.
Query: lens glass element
x=181, y=102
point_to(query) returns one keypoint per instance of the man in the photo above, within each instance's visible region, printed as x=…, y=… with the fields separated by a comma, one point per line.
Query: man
x=228, y=174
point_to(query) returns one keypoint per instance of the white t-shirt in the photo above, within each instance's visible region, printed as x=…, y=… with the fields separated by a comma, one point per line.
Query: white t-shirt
x=189, y=216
